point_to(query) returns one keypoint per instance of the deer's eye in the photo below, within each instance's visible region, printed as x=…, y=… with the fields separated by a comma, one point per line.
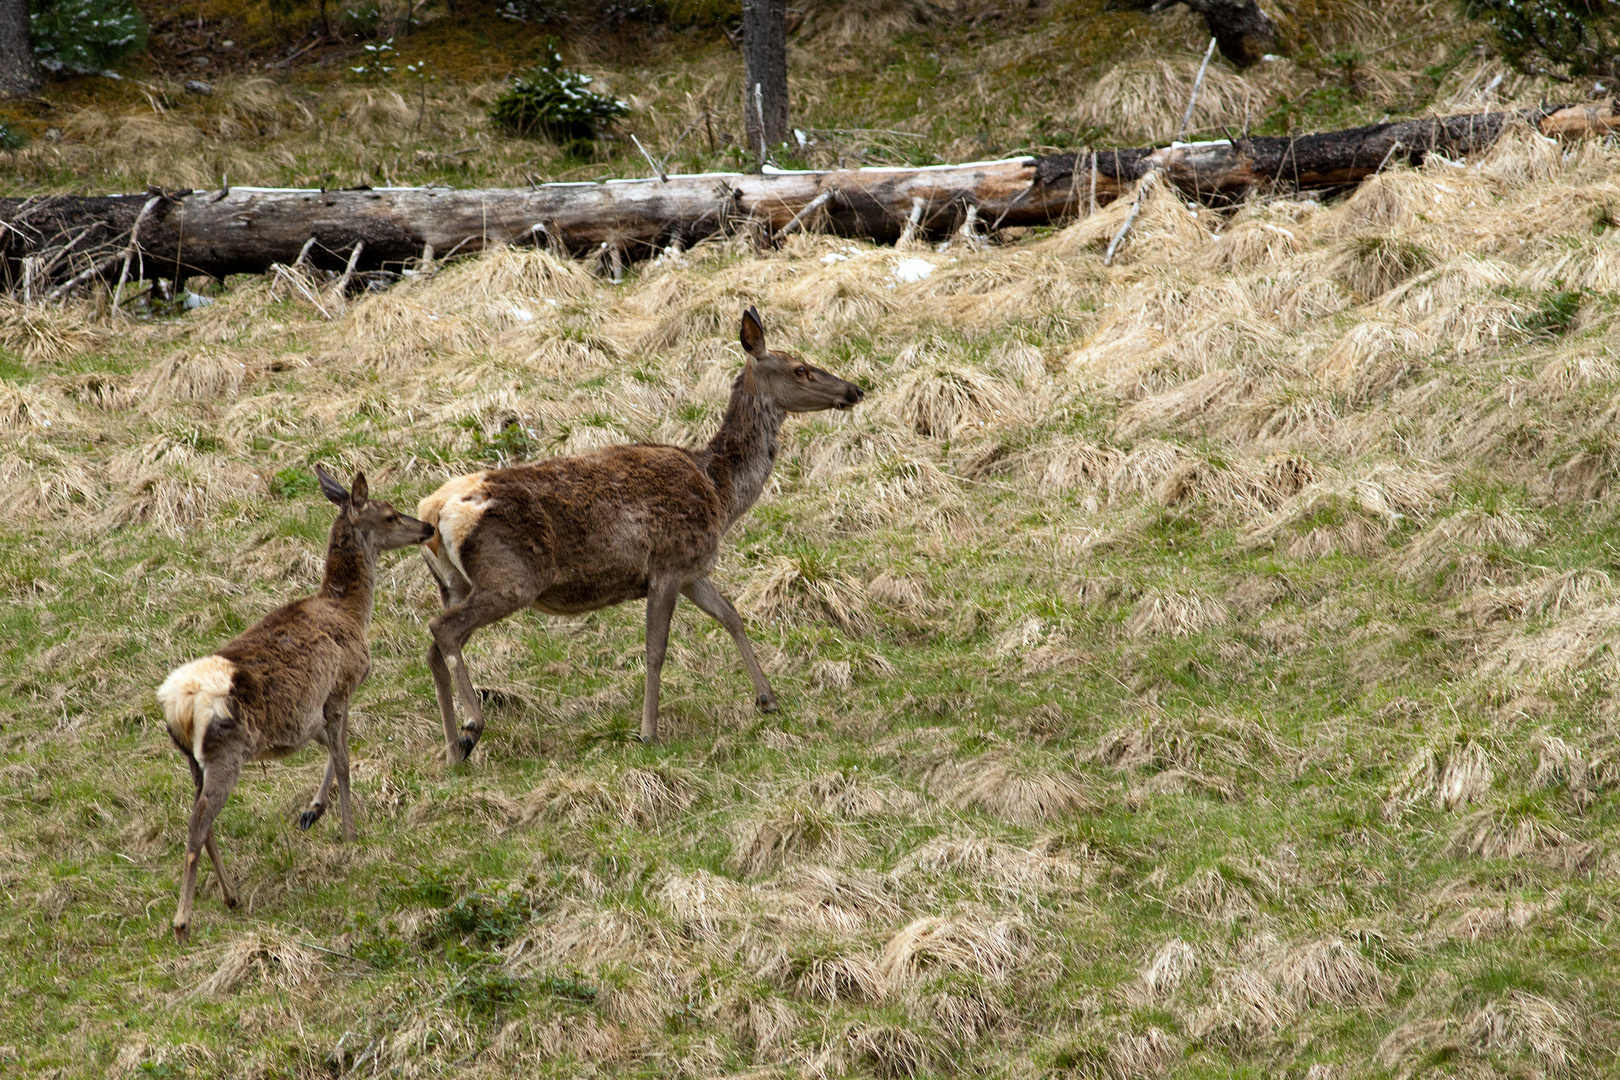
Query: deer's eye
x=801, y=371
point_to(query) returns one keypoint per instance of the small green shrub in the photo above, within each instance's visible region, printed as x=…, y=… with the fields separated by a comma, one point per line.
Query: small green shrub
x=1556, y=314
x=293, y=483
x=1578, y=37
x=486, y=989
x=572, y=988
x=556, y=103
x=490, y=918
x=376, y=64
x=85, y=35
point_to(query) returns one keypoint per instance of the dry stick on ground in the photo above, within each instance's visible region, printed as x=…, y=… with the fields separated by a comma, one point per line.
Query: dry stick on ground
x=811, y=207
x=348, y=271
x=657, y=168
x=96, y=270
x=43, y=273
x=134, y=245
x=251, y=229
x=1130, y=219
x=1093, y=209
x=1198, y=84
x=909, y=233
x=303, y=252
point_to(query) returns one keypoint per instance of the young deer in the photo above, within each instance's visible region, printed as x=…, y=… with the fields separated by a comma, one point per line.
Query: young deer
x=575, y=534
x=286, y=680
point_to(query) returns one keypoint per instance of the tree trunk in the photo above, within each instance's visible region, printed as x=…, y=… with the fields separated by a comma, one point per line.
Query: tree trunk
x=245, y=230
x=19, y=71
x=765, y=87
x=1245, y=33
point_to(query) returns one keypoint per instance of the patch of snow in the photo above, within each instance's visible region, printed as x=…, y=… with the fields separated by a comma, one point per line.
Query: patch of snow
x=910, y=270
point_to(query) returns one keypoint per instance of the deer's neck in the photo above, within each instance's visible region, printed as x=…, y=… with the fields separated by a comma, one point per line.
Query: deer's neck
x=351, y=571
x=740, y=456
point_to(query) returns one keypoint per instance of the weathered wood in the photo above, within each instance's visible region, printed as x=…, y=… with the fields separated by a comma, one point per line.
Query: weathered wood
x=245, y=230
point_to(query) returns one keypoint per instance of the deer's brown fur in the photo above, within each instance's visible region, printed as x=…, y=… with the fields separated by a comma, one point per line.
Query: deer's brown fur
x=284, y=681
x=575, y=534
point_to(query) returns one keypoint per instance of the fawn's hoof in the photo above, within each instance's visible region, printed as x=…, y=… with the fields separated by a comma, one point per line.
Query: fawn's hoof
x=310, y=816
x=766, y=702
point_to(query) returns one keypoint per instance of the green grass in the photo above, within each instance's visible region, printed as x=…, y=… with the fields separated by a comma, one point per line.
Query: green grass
x=1003, y=772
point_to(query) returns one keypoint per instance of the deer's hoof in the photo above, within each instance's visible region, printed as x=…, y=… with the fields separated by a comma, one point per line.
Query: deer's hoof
x=182, y=933
x=466, y=746
x=231, y=902
x=310, y=816
x=766, y=702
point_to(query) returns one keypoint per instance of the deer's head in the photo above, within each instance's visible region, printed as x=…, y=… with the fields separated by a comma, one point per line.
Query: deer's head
x=375, y=522
x=788, y=380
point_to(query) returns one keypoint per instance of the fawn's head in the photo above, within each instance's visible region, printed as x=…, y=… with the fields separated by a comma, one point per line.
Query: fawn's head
x=375, y=522
x=787, y=380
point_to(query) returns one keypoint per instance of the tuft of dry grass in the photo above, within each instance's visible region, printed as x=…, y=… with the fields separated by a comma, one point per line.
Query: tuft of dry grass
x=793, y=588
x=791, y=832
x=1175, y=614
x=932, y=945
x=1525, y=1021
x=48, y=335
x=1327, y=972
x=1026, y=792
x=1446, y=778
x=269, y=956
x=1141, y=101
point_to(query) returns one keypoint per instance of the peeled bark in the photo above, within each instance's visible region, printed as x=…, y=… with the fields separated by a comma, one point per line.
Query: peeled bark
x=19, y=71
x=765, y=88
x=245, y=230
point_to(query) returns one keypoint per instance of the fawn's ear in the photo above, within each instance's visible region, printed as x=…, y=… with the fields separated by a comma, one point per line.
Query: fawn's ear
x=753, y=333
x=358, y=492
x=331, y=488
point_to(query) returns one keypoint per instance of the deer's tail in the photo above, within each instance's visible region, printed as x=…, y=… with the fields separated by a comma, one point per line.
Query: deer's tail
x=194, y=696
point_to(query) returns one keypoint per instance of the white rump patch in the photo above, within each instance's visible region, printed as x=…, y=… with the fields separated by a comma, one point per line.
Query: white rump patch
x=194, y=696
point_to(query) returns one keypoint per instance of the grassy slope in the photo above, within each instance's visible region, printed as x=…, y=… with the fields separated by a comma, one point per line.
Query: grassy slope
x=1198, y=668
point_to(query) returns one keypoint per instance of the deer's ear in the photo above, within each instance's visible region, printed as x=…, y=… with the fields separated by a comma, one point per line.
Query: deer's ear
x=333, y=490
x=753, y=333
x=358, y=491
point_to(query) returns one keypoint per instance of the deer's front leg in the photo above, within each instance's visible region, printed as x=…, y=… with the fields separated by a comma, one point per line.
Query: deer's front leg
x=714, y=604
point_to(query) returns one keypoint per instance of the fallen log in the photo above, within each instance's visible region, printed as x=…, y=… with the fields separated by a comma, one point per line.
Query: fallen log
x=247, y=230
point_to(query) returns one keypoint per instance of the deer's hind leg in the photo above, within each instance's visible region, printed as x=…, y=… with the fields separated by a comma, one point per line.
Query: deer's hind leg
x=661, y=597
x=226, y=891
x=336, y=737
x=443, y=686
x=452, y=627
x=710, y=601
x=219, y=777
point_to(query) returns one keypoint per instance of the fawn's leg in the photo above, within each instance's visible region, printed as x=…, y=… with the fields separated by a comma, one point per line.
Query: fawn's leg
x=219, y=777
x=708, y=598
x=661, y=597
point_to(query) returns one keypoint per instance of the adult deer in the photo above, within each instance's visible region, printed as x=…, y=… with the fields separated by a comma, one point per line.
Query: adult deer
x=286, y=680
x=576, y=534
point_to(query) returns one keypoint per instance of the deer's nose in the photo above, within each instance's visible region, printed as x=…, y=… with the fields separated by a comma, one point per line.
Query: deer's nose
x=855, y=394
